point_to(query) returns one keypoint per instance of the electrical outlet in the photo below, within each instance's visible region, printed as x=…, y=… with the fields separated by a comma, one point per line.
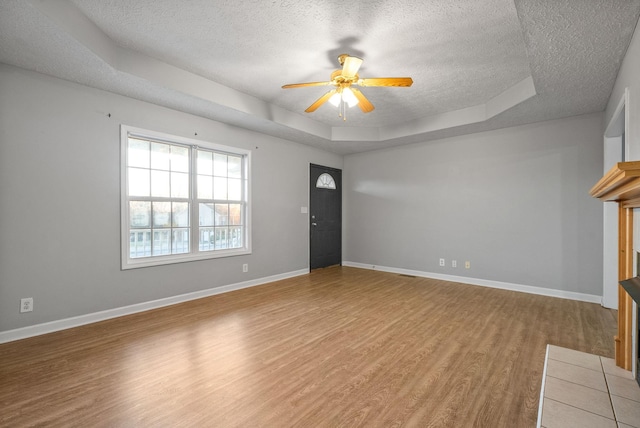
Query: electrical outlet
x=245, y=267
x=454, y=263
x=26, y=304
x=467, y=265
x=441, y=262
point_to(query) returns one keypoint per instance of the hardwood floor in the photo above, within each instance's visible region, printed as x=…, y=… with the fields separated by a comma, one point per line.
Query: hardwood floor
x=337, y=347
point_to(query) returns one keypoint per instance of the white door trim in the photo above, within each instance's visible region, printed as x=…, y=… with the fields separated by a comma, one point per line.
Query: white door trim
x=613, y=153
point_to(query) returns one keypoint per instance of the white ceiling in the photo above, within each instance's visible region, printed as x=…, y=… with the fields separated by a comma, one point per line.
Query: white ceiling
x=476, y=64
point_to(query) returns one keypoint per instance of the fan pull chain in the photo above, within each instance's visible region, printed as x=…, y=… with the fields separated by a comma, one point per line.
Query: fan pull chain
x=344, y=112
x=342, y=109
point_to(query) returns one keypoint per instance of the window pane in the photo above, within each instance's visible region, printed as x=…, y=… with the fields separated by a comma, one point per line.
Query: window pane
x=235, y=189
x=179, y=185
x=161, y=242
x=139, y=243
x=325, y=181
x=207, y=239
x=138, y=153
x=222, y=214
x=180, y=217
x=160, y=156
x=180, y=241
x=219, y=165
x=160, y=184
x=235, y=237
x=205, y=187
x=219, y=188
x=139, y=214
x=206, y=215
x=205, y=162
x=179, y=159
x=221, y=238
x=235, y=167
x=139, y=182
x=235, y=214
x=161, y=214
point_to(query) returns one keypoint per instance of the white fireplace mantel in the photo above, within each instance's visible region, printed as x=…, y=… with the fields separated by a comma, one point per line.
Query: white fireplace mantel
x=621, y=184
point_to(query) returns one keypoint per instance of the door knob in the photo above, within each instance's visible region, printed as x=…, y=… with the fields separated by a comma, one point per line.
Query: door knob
x=314, y=224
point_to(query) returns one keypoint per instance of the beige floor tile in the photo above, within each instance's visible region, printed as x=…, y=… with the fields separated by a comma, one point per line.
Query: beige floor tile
x=627, y=388
x=627, y=411
x=559, y=415
x=577, y=358
x=609, y=365
x=576, y=374
x=624, y=425
x=579, y=396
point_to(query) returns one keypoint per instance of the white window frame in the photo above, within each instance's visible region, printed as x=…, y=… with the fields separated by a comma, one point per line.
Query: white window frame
x=195, y=254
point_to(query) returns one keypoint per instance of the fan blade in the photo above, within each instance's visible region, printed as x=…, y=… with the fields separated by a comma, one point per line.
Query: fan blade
x=351, y=66
x=302, y=85
x=323, y=99
x=386, y=81
x=364, y=104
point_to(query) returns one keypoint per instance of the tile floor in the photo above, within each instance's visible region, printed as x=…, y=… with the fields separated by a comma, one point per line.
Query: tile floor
x=585, y=390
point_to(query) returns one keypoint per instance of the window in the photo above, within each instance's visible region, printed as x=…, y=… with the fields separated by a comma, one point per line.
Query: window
x=325, y=181
x=182, y=199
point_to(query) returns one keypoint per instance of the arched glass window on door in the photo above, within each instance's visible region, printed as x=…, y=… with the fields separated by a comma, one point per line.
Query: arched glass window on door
x=326, y=181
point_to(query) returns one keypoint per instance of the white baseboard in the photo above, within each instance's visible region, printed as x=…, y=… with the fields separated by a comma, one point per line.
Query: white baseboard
x=63, y=324
x=49, y=327
x=571, y=295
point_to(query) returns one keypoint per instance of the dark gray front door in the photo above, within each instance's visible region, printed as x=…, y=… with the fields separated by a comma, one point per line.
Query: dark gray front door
x=325, y=216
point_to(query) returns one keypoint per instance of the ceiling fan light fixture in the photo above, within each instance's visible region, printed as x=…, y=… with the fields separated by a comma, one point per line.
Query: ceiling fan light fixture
x=346, y=96
x=335, y=99
x=349, y=97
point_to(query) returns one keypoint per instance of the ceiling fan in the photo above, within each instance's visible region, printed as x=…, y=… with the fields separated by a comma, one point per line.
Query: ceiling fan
x=344, y=95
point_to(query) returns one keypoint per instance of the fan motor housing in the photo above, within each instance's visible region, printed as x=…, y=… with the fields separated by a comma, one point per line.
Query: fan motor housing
x=338, y=79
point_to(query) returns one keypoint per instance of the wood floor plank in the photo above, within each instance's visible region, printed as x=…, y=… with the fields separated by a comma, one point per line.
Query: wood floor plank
x=337, y=347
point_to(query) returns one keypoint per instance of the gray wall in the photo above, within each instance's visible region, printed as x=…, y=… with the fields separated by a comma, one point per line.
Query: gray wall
x=628, y=79
x=60, y=201
x=514, y=202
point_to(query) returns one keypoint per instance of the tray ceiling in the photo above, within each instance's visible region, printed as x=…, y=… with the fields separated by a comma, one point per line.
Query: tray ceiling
x=476, y=65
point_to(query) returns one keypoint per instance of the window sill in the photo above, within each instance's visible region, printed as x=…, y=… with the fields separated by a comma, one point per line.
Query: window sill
x=173, y=259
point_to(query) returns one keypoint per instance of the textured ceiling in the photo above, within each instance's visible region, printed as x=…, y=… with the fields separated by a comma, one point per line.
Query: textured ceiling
x=476, y=64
